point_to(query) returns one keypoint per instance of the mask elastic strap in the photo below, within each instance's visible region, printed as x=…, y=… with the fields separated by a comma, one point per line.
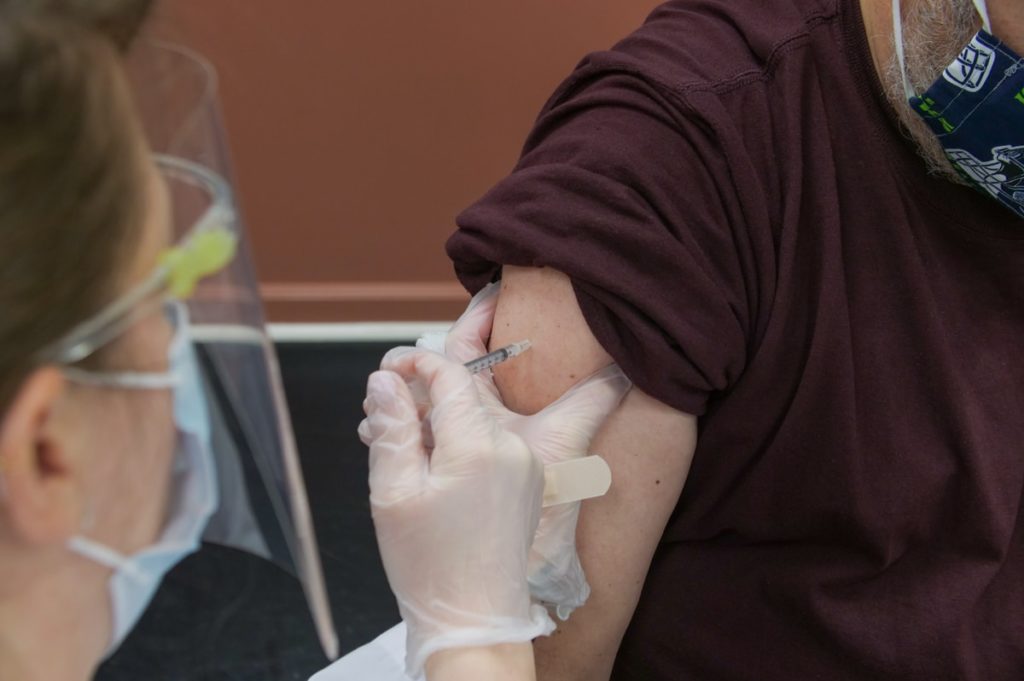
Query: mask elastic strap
x=103, y=555
x=982, y=8
x=125, y=379
x=897, y=29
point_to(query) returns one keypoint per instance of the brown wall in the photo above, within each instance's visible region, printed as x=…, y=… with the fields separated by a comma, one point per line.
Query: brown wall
x=360, y=129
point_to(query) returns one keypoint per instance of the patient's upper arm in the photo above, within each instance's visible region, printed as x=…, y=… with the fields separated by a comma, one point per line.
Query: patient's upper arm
x=648, y=445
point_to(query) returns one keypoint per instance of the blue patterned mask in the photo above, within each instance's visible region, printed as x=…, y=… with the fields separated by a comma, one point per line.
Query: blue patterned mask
x=976, y=109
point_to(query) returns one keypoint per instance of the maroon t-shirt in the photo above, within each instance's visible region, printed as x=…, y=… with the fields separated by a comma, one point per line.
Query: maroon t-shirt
x=751, y=237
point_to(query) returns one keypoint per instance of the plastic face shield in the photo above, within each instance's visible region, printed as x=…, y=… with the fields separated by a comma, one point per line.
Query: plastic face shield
x=263, y=502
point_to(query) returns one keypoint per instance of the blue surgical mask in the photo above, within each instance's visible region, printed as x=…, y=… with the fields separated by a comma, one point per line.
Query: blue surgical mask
x=137, y=577
x=976, y=109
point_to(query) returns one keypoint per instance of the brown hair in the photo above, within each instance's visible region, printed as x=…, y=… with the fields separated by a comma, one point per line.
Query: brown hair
x=118, y=20
x=72, y=190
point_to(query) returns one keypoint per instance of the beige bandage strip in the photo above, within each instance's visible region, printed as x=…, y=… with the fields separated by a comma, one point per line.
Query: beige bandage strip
x=575, y=480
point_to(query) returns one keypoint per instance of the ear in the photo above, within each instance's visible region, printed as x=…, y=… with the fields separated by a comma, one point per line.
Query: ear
x=41, y=491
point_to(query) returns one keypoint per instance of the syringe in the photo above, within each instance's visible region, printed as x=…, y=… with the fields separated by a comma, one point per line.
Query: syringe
x=497, y=357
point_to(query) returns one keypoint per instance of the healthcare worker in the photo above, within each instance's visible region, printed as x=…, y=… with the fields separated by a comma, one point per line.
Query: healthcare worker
x=141, y=409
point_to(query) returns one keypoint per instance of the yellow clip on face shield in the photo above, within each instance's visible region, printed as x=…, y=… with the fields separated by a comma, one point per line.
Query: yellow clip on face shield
x=203, y=254
x=206, y=254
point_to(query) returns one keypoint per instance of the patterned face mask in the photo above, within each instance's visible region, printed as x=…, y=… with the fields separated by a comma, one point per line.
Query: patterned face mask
x=976, y=109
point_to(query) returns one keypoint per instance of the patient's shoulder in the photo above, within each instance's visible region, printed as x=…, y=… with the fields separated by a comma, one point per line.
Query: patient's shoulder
x=539, y=305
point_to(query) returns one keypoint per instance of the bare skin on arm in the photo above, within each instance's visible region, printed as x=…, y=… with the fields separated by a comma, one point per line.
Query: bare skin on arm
x=648, y=445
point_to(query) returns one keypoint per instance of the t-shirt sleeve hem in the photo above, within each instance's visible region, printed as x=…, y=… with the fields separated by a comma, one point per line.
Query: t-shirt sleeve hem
x=684, y=400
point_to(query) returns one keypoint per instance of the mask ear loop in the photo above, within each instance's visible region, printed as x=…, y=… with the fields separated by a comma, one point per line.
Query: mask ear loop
x=982, y=8
x=125, y=379
x=107, y=557
x=897, y=29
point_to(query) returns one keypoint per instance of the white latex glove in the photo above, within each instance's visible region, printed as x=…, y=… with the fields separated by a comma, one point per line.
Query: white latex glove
x=560, y=432
x=454, y=521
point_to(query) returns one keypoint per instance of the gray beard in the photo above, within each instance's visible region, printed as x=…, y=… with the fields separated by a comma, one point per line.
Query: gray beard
x=934, y=33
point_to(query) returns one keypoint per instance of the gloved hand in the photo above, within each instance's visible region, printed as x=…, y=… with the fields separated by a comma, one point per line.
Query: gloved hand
x=560, y=432
x=454, y=521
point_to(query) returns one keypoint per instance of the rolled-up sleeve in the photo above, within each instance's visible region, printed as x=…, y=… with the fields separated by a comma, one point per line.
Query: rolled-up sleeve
x=627, y=191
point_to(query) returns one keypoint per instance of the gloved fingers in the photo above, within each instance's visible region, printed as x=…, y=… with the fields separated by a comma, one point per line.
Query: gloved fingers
x=467, y=339
x=392, y=429
x=489, y=395
x=383, y=405
x=560, y=584
x=466, y=436
x=600, y=393
x=460, y=348
x=416, y=387
x=456, y=413
x=565, y=428
x=554, y=542
x=392, y=355
x=439, y=376
x=554, y=571
x=487, y=293
x=364, y=431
